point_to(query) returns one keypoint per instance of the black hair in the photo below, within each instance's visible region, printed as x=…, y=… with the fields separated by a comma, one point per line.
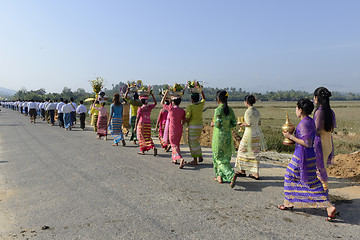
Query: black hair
x=71, y=99
x=167, y=102
x=195, y=97
x=81, y=102
x=136, y=96
x=222, y=96
x=177, y=101
x=97, y=102
x=143, y=101
x=323, y=95
x=102, y=94
x=61, y=99
x=306, y=105
x=250, y=99
x=66, y=101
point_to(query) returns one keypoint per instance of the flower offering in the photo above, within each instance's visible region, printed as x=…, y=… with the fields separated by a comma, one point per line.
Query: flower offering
x=97, y=84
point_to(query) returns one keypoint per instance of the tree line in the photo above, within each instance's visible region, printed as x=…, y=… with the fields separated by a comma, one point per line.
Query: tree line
x=210, y=92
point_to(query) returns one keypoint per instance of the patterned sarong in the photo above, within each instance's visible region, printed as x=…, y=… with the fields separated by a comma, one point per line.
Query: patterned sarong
x=194, y=133
x=94, y=120
x=247, y=158
x=102, y=126
x=116, y=129
x=133, y=136
x=310, y=194
x=163, y=143
x=144, y=136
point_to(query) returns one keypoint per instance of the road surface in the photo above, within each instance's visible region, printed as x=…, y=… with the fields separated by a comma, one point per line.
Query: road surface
x=77, y=187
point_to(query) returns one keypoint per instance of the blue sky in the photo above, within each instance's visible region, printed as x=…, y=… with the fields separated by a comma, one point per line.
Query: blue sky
x=254, y=45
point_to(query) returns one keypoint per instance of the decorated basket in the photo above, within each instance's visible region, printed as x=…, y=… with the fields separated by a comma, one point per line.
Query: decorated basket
x=177, y=94
x=195, y=86
x=176, y=90
x=134, y=86
x=143, y=93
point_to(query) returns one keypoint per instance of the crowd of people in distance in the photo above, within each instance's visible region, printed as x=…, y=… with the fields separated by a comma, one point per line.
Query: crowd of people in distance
x=306, y=180
x=62, y=111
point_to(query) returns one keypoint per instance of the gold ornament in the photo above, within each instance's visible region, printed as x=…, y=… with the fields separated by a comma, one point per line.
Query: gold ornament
x=289, y=127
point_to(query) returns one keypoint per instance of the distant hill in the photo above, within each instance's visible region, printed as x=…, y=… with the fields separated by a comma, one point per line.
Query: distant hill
x=4, y=92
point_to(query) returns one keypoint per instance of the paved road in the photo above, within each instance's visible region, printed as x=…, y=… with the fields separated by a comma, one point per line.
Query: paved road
x=83, y=188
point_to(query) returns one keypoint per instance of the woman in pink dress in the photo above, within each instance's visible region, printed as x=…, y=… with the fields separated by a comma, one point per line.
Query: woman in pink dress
x=176, y=116
x=160, y=127
x=102, y=121
x=143, y=125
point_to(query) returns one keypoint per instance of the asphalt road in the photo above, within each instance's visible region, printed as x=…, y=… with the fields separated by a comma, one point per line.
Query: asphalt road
x=84, y=188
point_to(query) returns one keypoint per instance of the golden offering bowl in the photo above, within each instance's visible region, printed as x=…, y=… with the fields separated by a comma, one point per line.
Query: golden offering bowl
x=288, y=127
x=241, y=120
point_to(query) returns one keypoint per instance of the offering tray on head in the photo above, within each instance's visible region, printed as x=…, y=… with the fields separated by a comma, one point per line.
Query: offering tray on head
x=135, y=86
x=195, y=86
x=176, y=91
x=196, y=90
x=143, y=93
x=177, y=94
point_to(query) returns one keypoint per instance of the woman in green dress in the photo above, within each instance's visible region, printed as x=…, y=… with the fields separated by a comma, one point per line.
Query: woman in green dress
x=222, y=144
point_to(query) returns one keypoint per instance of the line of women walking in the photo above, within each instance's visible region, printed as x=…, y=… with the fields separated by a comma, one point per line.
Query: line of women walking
x=306, y=180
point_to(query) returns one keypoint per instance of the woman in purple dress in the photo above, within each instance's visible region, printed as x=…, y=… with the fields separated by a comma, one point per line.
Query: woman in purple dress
x=325, y=123
x=302, y=187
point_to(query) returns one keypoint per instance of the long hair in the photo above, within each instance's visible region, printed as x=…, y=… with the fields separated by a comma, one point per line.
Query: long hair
x=116, y=99
x=223, y=96
x=323, y=95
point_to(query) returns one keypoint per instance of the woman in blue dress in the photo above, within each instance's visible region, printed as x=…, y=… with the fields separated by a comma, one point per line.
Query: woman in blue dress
x=115, y=120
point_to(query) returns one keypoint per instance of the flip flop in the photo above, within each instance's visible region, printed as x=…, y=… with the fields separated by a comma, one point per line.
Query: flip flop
x=252, y=176
x=331, y=218
x=233, y=181
x=182, y=164
x=283, y=207
x=240, y=174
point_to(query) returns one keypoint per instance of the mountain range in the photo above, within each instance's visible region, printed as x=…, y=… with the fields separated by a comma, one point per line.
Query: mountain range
x=4, y=92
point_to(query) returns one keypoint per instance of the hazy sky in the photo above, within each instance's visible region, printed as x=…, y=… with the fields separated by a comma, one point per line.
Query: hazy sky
x=253, y=45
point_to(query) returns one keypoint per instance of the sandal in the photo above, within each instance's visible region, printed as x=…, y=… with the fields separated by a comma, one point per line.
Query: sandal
x=283, y=207
x=240, y=174
x=182, y=163
x=331, y=218
x=233, y=181
x=252, y=176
